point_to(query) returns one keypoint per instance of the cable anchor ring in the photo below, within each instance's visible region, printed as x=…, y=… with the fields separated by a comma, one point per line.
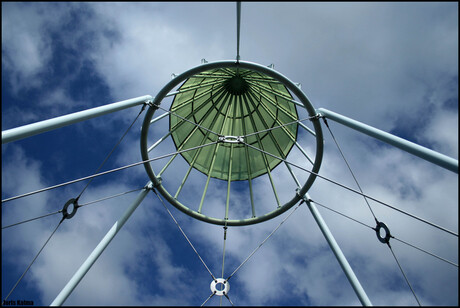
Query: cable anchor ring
x=65, y=213
x=386, y=239
x=221, y=291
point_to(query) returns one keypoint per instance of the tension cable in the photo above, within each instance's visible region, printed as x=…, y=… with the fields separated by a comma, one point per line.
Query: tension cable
x=183, y=233
x=393, y=237
x=351, y=189
x=36, y=256
x=349, y=168
x=379, y=225
x=79, y=205
x=116, y=145
x=263, y=242
x=107, y=172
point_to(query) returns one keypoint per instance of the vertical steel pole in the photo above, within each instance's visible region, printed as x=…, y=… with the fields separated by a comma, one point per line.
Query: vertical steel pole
x=238, y=22
x=84, y=268
x=410, y=147
x=50, y=124
x=338, y=254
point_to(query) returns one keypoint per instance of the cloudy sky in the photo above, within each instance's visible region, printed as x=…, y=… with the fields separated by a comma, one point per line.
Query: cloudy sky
x=390, y=65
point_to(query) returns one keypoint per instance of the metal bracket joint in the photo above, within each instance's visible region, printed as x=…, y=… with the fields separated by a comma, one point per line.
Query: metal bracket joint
x=231, y=139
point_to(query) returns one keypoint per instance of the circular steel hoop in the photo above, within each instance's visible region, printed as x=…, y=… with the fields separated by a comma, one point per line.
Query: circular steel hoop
x=232, y=64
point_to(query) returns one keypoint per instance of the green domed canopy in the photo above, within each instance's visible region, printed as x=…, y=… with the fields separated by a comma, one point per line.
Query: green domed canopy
x=229, y=103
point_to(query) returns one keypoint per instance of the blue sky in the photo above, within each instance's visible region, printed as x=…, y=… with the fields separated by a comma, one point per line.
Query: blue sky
x=390, y=65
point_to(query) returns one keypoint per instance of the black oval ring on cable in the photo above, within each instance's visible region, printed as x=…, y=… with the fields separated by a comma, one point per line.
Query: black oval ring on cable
x=385, y=239
x=66, y=214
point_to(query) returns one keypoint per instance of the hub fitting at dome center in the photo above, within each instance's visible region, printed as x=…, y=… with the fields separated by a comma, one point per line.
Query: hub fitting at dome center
x=236, y=85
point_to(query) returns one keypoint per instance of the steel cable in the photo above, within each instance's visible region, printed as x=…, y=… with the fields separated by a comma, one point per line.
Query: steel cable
x=118, y=143
x=80, y=205
x=402, y=271
x=36, y=256
x=393, y=237
x=32, y=219
x=183, y=233
x=353, y=190
x=107, y=172
x=349, y=168
x=263, y=242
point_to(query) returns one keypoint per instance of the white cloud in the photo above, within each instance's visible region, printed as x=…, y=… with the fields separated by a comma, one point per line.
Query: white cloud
x=25, y=56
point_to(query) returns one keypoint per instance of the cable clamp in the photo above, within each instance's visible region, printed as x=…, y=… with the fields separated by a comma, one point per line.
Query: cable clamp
x=304, y=197
x=158, y=182
x=151, y=104
x=150, y=186
x=316, y=117
x=231, y=139
x=297, y=192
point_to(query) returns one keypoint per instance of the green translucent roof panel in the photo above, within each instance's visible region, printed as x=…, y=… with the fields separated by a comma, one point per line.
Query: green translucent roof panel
x=231, y=102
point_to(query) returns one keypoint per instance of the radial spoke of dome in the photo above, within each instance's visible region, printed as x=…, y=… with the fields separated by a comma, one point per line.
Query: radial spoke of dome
x=303, y=152
x=222, y=71
x=261, y=146
x=248, y=162
x=262, y=79
x=193, y=131
x=227, y=203
x=185, y=177
x=290, y=136
x=308, y=129
x=195, y=97
x=296, y=143
x=160, y=117
x=211, y=75
x=191, y=88
x=159, y=141
x=230, y=72
x=269, y=89
x=165, y=136
x=280, y=107
x=289, y=100
x=208, y=178
x=171, y=159
x=200, y=207
x=187, y=120
x=278, y=126
x=217, y=97
x=244, y=73
x=230, y=163
x=275, y=142
x=197, y=153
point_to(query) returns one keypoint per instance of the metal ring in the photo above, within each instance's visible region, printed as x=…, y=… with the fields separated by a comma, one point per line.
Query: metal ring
x=385, y=239
x=229, y=64
x=75, y=206
x=223, y=282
